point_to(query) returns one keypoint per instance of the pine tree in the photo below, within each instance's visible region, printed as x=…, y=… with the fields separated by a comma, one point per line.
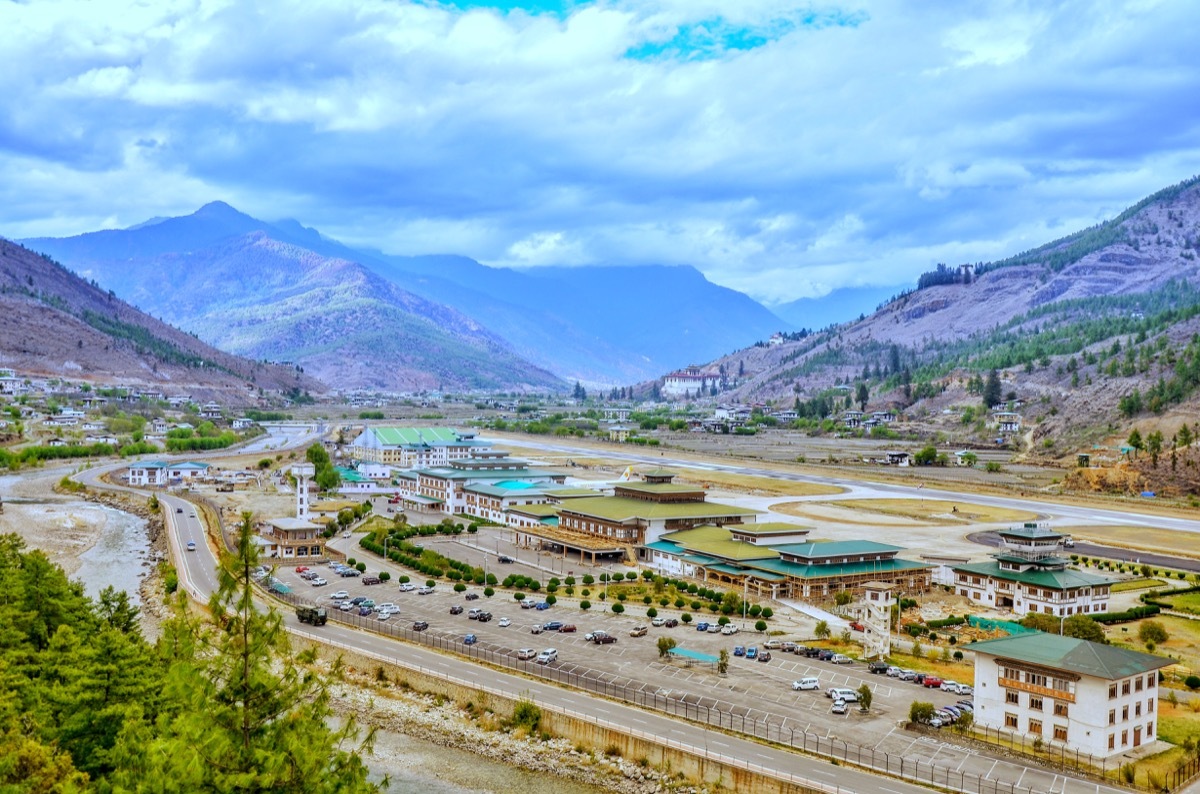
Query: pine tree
x=244, y=714
x=862, y=396
x=991, y=389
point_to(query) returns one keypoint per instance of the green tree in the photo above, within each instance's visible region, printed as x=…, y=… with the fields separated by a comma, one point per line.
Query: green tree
x=1154, y=445
x=723, y=661
x=1152, y=631
x=665, y=646
x=861, y=396
x=245, y=715
x=822, y=632
x=920, y=712
x=1084, y=628
x=1135, y=441
x=991, y=389
x=865, y=695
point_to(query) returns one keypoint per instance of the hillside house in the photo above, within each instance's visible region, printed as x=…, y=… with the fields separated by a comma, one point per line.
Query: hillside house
x=689, y=382
x=619, y=433
x=852, y=419
x=1007, y=421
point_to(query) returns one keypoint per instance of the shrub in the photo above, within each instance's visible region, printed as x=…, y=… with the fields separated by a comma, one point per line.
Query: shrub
x=526, y=715
x=460, y=587
x=351, y=561
x=958, y=656
x=686, y=617
x=618, y=607
x=760, y=626
x=651, y=612
x=585, y=604
x=519, y=596
x=1192, y=682
x=489, y=592
x=551, y=599
x=767, y=613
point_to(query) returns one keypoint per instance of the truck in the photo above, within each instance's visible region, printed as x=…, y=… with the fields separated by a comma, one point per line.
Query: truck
x=313, y=615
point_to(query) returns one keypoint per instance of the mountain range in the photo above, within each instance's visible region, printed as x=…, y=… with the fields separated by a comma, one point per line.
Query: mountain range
x=55, y=324
x=363, y=319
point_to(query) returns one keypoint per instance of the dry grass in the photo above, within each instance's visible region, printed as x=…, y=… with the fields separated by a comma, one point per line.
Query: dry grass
x=763, y=486
x=938, y=511
x=825, y=512
x=1183, y=641
x=962, y=672
x=1148, y=538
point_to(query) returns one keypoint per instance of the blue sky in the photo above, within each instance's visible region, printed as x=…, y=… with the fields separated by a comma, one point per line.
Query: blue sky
x=785, y=149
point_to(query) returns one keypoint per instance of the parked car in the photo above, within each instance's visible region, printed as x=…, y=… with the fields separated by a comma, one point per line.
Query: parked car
x=339, y=595
x=367, y=603
x=811, y=653
x=369, y=580
x=547, y=656
x=949, y=686
x=893, y=671
x=474, y=613
x=319, y=582
x=765, y=656
x=857, y=626
x=739, y=650
x=729, y=630
x=752, y=653
x=357, y=600
x=841, y=658
x=384, y=615
x=824, y=654
x=659, y=621
x=553, y=625
x=301, y=568
x=806, y=684
x=907, y=675
x=387, y=606
x=485, y=617
x=470, y=639
x=535, y=629
x=364, y=611
x=877, y=667
x=714, y=628
x=671, y=623
x=527, y=604
x=471, y=596
x=526, y=654
x=773, y=645
x=842, y=693
x=604, y=639
x=638, y=631
x=420, y=625
x=504, y=623
x=456, y=609
x=349, y=572
x=407, y=587
x=932, y=682
x=966, y=689
x=567, y=628
x=788, y=647
x=701, y=626
x=542, y=605
x=591, y=635
x=425, y=591
x=838, y=707
x=345, y=606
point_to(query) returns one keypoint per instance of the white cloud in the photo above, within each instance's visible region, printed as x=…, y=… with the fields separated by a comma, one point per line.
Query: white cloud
x=863, y=141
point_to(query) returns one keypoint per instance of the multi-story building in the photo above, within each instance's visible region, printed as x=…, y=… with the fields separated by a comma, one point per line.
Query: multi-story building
x=690, y=382
x=1083, y=696
x=157, y=472
x=486, y=482
x=416, y=447
x=1030, y=574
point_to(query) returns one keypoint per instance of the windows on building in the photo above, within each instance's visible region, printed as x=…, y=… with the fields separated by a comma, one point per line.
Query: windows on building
x=1012, y=697
x=1035, y=727
x=1035, y=703
x=1010, y=720
x=1060, y=733
x=1125, y=687
x=1137, y=709
x=1137, y=684
x=1060, y=709
x=1124, y=738
x=1112, y=741
x=1112, y=716
x=1124, y=713
x=1112, y=691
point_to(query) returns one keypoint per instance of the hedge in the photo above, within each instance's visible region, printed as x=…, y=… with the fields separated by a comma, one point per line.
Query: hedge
x=1137, y=613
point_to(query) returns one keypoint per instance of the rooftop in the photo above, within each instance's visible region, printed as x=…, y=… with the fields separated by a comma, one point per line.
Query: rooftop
x=1073, y=655
x=836, y=548
x=616, y=508
x=1052, y=579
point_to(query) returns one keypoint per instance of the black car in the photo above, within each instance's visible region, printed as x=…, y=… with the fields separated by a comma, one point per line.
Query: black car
x=484, y=617
x=671, y=623
x=764, y=656
x=456, y=609
x=420, y=625
x=811, y=653
x=472, y=596
x=825, y=654
x=553, y=625
x=505, y=558
x=358, y=600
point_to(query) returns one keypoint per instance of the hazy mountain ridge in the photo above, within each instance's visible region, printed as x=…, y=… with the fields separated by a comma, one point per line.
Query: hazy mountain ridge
x=602, y=324
x=56, y=324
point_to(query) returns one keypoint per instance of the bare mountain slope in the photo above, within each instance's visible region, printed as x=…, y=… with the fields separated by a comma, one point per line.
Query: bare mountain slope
x=56, y=324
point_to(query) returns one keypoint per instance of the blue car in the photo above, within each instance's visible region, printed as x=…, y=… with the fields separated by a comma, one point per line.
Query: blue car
x=470, y=639
x=739, y=650
x=701, y=627
x=752, y=653
x=542, y=605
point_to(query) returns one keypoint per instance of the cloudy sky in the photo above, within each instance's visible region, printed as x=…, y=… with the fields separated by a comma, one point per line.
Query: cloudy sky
x=784, y=149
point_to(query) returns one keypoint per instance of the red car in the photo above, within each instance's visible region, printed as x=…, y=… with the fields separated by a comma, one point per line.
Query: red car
x=932, y=681
x=567, y=629
x=301, y=568
x=857, y=626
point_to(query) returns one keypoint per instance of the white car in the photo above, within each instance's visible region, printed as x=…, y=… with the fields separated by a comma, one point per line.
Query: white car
x=345, y=606
x=504, y=623
x=659, y=621
x=191, y=545
x=806, y=683
x=339, y=595
x=950, y=686
x=407, y=587
x=387, y=606
x=966, y=689
x=838, y=707
x=319, y=582
x=729, y=629
x=547, y=656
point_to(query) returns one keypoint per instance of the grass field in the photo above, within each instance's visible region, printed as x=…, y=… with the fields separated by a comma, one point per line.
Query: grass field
x=1149, y=538
x=1137, y=584
x=1183, y=641
x=1187, y=602
x=764, y=486
x=937, y=511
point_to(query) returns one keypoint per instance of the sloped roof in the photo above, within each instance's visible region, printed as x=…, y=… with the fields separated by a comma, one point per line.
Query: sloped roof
x=836, y=548
x=616, y=508
x=1073, y=655
x=402, y=436
x=1053, y=579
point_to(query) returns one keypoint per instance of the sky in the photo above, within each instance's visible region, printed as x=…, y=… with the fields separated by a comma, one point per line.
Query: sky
x=784, y=149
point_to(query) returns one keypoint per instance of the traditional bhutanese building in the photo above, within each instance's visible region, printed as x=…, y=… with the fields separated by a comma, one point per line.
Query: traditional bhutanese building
x=415, y=447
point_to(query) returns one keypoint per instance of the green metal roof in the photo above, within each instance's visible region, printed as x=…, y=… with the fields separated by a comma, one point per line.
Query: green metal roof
x=732, y=550
x=659, y=487
x=401, y=436
x=1054, y=580
x=836, y=548
x=350, y=475
x=423, y=500
x=571, y=493
x=1073, y=655
x=769, y=528
x=617, y=508
x=836, y=570
x=495, y=490
x=540, y=510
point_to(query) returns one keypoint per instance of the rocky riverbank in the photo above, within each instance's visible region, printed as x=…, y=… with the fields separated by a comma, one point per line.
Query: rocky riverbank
x=473, y=729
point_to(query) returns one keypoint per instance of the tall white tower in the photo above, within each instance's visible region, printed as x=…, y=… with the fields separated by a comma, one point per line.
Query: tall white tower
x=302, y=471
x=875, y=613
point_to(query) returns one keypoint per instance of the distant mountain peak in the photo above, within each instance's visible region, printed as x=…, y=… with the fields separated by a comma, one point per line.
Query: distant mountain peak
x=218, y=210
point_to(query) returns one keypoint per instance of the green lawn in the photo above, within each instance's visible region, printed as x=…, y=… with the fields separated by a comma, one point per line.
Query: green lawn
x=1187, y=602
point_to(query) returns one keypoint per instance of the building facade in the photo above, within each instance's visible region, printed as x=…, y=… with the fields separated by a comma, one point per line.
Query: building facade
x=415, y=447
x=1083, y=696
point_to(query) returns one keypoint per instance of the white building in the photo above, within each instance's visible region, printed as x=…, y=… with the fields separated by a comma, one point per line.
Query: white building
x=689, y=382
x=1084, y=696
x=1030, y=575
x=156, y=472
x=416, y=447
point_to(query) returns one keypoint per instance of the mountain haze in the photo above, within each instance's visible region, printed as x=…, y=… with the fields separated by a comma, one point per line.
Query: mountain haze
x=54, y=323
x=599, y=325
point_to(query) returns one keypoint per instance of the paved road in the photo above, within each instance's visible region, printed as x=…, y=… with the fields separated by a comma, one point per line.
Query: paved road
x=1108, y=553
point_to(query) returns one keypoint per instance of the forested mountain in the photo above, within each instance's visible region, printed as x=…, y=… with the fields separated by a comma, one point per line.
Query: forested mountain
x=54, y=323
